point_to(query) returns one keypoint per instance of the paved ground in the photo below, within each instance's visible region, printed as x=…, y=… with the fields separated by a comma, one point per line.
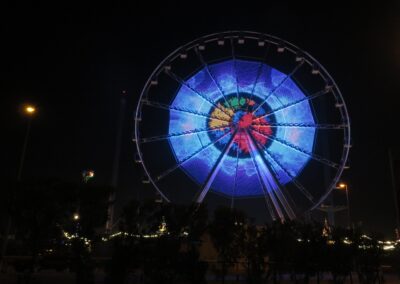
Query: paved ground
x=51, y=276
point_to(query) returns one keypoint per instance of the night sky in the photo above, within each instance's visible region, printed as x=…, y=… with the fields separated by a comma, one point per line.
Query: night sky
x=73, y=61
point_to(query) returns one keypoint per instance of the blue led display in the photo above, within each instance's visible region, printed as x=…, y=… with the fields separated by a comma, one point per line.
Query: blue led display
x=243, y=139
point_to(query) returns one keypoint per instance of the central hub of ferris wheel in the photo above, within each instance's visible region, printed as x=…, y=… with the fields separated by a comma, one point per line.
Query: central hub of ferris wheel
x=243, y=120
x=243, y=113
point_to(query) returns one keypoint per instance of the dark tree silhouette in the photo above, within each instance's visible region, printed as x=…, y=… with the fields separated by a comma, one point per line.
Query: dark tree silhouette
x=39, y=207
x=93, y=203
x=42, y=211
x=254, y=253
x=163, y=254
x=227, y=230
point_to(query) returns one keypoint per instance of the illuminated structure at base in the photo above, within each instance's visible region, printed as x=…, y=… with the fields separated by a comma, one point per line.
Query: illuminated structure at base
x=244, y=115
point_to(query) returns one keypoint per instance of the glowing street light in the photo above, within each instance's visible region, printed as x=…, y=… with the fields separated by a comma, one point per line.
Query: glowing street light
x=29, y=109
x=76, y=217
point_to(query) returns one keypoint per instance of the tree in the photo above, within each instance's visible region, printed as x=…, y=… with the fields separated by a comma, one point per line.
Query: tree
x=42, y=213
x=280, y=241
x=186, y=225
x=368, y=260
x=93, y=203
x=309, y=255
x=254, y=252
x=38, y=208
x=161, y=241
x=227, y=231
x=137, y=220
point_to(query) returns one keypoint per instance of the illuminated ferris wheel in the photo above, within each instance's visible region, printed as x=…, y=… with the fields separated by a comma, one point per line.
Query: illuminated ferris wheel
x=243, y=116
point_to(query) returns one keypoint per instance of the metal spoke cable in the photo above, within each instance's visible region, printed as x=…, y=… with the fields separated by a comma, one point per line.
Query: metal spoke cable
x=177, y=165
x=299, y=149
x=183, y=133
x=279, y=85
x=168, y=107
x=271, y=180
x=235, y=180
x=313, y=96
x=215, y=170
x=235, y=70
x=302, y=189
x=265, y=184
x=182, y=82
x=259, y=71
x=200, y=56
x=300, y=125
x=265, y=193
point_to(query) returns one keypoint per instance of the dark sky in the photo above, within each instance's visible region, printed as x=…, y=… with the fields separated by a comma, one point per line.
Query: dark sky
x=72, y=61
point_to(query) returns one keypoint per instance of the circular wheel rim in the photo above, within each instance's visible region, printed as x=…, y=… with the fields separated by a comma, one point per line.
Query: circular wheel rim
x=263, y=39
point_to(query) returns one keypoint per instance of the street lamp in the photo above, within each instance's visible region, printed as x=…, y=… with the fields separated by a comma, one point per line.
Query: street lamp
x=76, y=217
x=343, y=186
x=28, y=111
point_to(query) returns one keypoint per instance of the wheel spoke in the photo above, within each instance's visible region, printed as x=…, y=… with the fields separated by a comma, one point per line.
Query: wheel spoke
x=302, y=189
x=267, y=199
x=177, y=165
x=268, y=177
x=279, y=85
x=183, y=133
x=311, y=97
x=264, y=179
x=200, y=56
x=234, y=69
x=301, y=125
x=266, y=195
x=299, y=149
x=235, y=180
x=259, y=71
x=215, y=170
x=167, y=107
x=182, y=82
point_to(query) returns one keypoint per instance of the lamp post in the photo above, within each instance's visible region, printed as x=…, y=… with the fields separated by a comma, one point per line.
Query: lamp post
x=343, y=186
x=29, y=111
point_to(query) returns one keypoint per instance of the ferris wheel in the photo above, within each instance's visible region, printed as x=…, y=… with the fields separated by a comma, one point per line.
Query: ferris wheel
x=243, y=116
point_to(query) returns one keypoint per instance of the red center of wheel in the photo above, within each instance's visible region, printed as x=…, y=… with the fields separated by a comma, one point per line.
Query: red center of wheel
x=245, y=121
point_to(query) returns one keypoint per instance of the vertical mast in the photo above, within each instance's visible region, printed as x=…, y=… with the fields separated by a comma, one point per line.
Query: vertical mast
x=115, y=170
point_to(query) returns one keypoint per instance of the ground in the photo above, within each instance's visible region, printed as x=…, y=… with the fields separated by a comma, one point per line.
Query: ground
x=51, y=276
